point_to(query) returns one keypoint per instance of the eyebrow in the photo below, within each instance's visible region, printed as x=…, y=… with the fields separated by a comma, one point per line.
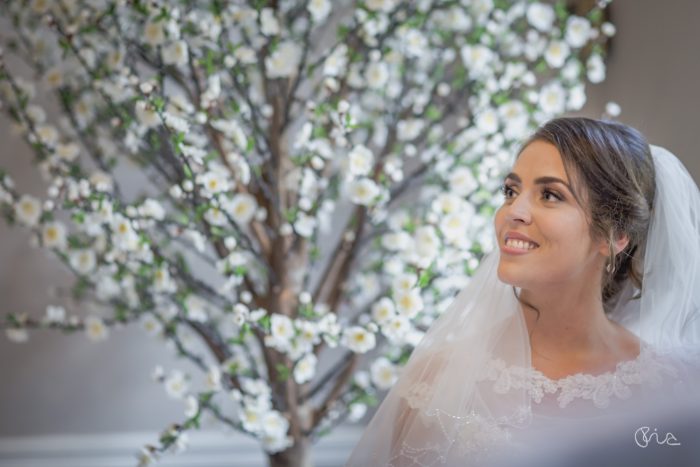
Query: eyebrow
x=540, y=180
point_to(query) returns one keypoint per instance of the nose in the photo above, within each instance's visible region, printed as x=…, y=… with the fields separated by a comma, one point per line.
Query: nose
x=519, y=210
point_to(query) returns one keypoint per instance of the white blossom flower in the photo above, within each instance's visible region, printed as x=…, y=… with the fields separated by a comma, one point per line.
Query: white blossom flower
x=377, y=75
x=608, y=29
x=487, y=121
x=191, y=406
x=283, y=61
x=214, y=181
x=47, y=134
x=358, y=339
x=541, y=16
x=409, y=302
x=304, y=225
x=552, y=98
x=274, y=424
x=55, y=314
x=175, y=53
x=268, y=22
x=578, y=31
x=396, y=329
x=251, y=419
x=515, y=118
x=426, y=244
x=308, y=332
x=232, y=129
x=83, y=261
x=319, y=9
x=477, y=59
x=176, y=385
x=404, y=282
x=414, y=43
x=28, y=210
x=383, y=310
x=53, y=235
x=146, y=114
x=336, y=63
x=162, y=282
x=196, y=308
x=305, y=369
x=383, y=373
x=356, y=412
x=123, y=234
x=213, y=379
x=151, y=325
x=54, y=77
x=613, y=109
x=361, y=159
x=577, y=97
x=96, y=329
x=68, y=152
x=381, y=5
x=102, y=181
x=273, y=444
x=281, y=328
x=407, y=130
x=153, y=33
x=107, y=288
x=153, y=209
x=176, y=123
x=396, y=241
x=241, y=208
x=595, y=69
x=462, y=181
x=572, y=70
x=454, y=227
x=36, y=114
x=556, y=53
x=245, y=55
x=17, y=335
x=363, y=191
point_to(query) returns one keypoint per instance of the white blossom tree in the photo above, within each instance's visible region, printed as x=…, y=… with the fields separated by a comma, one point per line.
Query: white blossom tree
x=320, y=180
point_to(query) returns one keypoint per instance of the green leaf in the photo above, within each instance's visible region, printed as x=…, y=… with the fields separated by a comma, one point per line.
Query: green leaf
x=283, y=371
x=266, y=322
x=425, y=277
x=78, y=217
x=158, y=103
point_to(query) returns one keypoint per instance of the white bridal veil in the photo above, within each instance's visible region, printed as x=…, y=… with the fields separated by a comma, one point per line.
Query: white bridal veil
x=442, y=411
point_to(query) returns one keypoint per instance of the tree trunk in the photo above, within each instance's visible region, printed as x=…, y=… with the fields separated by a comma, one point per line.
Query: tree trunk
x=299, y=455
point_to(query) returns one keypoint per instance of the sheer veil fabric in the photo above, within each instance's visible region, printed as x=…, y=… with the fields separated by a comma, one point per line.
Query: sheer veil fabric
x=442, y=411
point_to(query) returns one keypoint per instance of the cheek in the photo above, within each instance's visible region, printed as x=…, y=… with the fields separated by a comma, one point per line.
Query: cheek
x=498, y=219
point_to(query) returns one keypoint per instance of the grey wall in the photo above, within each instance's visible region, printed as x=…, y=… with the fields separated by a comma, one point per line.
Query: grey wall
x=58, y=384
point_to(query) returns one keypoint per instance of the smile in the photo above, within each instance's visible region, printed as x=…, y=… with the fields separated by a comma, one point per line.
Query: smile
x=520, y=244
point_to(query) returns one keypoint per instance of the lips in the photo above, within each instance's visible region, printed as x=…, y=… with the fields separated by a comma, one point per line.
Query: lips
x=519, y=236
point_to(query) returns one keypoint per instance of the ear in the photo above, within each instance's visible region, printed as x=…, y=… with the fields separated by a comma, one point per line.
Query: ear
x=618, y=245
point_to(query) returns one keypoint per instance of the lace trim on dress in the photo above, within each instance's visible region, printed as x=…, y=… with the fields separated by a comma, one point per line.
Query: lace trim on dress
x=648, y=367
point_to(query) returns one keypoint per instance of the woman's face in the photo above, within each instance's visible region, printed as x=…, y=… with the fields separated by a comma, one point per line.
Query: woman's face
x=539, y=205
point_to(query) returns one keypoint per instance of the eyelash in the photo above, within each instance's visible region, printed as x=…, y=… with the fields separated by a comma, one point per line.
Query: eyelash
x=505, y=187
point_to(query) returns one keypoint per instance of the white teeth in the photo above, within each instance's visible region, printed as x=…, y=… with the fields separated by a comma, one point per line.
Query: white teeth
x=520, y=244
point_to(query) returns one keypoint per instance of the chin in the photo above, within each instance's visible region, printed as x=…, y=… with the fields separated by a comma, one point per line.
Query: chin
x=509, y=276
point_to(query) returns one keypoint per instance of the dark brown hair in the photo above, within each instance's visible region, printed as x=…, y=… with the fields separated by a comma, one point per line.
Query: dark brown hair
x=612, y=174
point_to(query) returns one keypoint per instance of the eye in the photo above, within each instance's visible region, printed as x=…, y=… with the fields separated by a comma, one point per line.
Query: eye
x=551, y=193
x=506, y=190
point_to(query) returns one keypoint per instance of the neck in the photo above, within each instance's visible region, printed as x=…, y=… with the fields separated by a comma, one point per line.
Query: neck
x=571, y=322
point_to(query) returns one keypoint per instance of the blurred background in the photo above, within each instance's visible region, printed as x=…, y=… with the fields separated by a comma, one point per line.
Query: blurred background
x=68, y=401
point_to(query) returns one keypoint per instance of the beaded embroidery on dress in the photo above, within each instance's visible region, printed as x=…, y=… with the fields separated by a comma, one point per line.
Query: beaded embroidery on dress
x=649, y=368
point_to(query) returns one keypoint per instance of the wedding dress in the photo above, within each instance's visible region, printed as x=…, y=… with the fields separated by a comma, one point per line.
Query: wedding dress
x=469, y=388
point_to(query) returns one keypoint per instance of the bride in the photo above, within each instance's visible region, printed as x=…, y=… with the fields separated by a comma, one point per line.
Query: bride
x=589, y=307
